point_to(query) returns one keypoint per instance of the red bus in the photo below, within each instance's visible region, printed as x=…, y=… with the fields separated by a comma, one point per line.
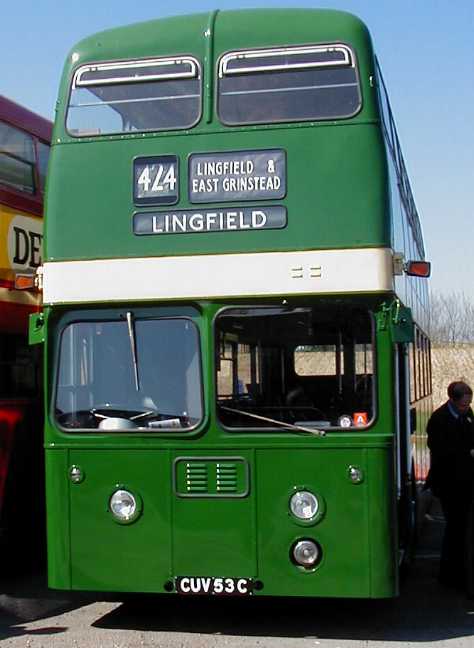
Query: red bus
x=24, y=150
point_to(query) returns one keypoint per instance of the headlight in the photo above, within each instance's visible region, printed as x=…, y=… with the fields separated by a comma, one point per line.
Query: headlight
x=123, y=506
x=304, y=505
x=306, y=553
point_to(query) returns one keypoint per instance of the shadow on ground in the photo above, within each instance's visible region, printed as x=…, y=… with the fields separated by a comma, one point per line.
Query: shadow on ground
x=425, y=611
x=27, y=598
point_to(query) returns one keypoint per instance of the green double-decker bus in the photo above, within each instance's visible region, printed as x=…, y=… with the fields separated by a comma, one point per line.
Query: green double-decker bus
x=235, y=313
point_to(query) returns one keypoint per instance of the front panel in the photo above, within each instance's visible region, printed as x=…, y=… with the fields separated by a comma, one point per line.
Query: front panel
x=107, y=554
x=229, y=518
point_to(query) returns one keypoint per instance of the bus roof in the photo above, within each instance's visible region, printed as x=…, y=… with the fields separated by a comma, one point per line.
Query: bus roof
x=235, y=28
x=21, y=117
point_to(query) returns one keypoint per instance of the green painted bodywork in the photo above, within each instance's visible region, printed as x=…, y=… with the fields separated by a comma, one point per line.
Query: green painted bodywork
x=102, y=211
x=330, y=164
x=337, y=197
x=36, y=328
x=248, y=536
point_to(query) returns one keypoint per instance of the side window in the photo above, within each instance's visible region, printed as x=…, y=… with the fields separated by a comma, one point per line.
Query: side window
x=427, y=365
x=420, y=367
x=43, y=157
x=430, y=373
x=419, y=364
x=17, y=159
x=412, y=363
x=385, y=110
x=409, y=208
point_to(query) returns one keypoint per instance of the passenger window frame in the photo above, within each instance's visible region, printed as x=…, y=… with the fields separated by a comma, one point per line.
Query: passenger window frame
x=229, y=55
x=131, y=63
x=28, y=162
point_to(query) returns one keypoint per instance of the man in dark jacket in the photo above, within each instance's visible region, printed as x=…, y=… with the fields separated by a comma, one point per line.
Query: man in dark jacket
x=451, y=477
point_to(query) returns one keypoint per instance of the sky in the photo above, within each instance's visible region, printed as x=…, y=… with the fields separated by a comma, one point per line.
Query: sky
x=424, y=48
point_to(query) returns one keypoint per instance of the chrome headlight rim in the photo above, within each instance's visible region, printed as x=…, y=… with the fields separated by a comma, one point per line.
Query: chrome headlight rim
x=138, y=505
x=306, y=568
x=319, y=513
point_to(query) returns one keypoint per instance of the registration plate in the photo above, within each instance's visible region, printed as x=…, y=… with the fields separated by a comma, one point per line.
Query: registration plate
x=213, y=585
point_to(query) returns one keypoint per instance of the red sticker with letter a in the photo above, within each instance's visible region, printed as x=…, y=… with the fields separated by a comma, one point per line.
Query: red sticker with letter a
x=360, y=419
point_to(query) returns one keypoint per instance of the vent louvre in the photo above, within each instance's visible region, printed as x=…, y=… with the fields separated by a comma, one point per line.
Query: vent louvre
x=197, y=480
x=226, y=477
x=211, y=477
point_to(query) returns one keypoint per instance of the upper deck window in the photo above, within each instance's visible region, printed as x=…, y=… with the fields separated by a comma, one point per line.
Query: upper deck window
x=288, y=84
x=43, y=158
x=17, y=159
x=151, y=95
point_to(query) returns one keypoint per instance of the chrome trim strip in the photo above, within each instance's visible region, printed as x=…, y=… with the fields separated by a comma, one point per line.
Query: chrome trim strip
x=289, y=51
x=193, y=72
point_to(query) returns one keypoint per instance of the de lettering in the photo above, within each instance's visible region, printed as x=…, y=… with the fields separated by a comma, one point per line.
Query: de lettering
x=27, y=248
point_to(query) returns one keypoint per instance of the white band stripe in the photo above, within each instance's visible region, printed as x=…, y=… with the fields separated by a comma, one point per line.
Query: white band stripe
x=219, y=275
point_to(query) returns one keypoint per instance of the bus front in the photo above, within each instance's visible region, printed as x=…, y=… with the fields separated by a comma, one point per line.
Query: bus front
x=218, y=288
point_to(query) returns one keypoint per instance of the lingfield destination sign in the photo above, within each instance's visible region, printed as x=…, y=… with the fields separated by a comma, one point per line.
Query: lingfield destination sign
x=237, y=176
x=209, y=220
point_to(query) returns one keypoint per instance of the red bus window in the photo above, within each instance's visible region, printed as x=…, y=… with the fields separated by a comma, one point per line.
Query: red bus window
x=17, y=158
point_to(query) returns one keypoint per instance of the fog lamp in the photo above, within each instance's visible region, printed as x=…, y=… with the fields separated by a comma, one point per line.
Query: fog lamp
x=304, y=505
x=306, y=553
x=123, y=506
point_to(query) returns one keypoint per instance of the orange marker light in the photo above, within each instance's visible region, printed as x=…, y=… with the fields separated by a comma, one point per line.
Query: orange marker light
x=25, y=282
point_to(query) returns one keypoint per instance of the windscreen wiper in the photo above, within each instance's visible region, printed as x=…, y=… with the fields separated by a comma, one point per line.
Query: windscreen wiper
x=289, y=426
x=133, y=347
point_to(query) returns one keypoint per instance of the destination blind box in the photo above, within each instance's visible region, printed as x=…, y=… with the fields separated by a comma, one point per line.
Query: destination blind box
x=236, y=176
x=212, y=177
x=231, y=176
x=209, y=220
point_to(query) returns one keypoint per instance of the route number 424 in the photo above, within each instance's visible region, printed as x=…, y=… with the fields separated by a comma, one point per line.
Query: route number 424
x=156, y=178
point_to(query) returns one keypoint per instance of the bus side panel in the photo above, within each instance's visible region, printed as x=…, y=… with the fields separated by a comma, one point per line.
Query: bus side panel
x=58, y=512
x=105, y=554
x=342, y=533
x=382, y=524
